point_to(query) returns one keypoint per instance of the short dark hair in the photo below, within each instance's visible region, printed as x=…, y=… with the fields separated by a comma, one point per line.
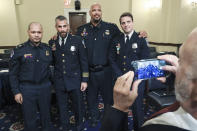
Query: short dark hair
x=60, y=17
x=126, y=14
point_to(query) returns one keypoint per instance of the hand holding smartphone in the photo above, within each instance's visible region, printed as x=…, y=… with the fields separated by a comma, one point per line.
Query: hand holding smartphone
x=149, y=68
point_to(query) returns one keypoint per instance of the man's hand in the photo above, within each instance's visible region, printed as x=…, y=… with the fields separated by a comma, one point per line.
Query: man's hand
x=84, y=85
x=123, y=96
x=18, y=98
x=143, y=34
x=54, y=37
x=171, y=59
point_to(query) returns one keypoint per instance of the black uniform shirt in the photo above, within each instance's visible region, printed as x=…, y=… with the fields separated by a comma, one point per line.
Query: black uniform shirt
x=97, y=40
x=29, y=63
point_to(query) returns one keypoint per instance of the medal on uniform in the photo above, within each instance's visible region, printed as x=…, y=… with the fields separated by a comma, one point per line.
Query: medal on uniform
x=28, y=56
x=47, y=53
x=134, y=46
x=118, y=48
x=84, y=33
x=107, y=32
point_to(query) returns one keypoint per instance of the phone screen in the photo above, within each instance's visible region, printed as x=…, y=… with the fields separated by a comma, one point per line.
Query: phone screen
x=149, y=68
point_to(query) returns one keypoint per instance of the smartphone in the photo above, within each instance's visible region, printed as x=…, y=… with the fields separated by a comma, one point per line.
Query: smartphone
x=149, y=68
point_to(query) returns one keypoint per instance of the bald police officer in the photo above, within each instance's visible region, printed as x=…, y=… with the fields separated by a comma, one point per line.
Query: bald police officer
x=97, y=35
x=29, y=74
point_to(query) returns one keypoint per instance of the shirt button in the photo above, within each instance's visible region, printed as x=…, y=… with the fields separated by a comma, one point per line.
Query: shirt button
x=124, y=69
x=37, y=60
x=124, y=57
x=64, y=72
x=94, y=38
x=62, y=54
x=63, y=61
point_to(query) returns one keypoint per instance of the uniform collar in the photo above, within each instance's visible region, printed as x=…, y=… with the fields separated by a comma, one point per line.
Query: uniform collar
x=130, y=34
x=33, y=45
x=97, y=26
x=60, y=39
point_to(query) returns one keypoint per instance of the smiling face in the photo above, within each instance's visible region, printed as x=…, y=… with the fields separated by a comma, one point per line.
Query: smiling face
x=95, y=13
x=126, y=24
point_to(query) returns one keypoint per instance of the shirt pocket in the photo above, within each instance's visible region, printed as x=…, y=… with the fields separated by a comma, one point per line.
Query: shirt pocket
x=46, y=56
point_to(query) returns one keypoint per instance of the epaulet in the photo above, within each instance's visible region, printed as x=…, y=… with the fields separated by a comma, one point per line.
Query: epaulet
x=110, y=23
x=83, y=26
x=20, y=46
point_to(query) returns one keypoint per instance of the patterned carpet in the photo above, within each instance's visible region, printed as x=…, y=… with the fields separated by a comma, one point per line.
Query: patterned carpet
x=10, y=118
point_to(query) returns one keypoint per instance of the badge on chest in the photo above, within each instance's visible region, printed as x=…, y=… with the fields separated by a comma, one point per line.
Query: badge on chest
x=118, y=48
x=73, y=49
x=47, y=53
x=134, y=46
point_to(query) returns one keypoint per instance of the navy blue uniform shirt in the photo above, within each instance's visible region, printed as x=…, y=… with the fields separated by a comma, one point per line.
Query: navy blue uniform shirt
x=29, y=63
x=71, y=59
x=97, y=40
x=122, y=54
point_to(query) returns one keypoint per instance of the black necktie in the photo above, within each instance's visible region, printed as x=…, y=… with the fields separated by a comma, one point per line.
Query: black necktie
x=62, y=44
x=127, y=39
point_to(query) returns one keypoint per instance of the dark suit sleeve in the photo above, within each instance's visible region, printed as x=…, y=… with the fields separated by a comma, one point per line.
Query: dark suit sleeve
x=14, y=67
x=115, y=30
x=144, y=50
x=83, y=61
x=51, y=42
x=113, y=60
x=114, y=120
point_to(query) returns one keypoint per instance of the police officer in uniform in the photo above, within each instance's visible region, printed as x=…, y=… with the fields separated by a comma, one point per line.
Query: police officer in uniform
x=70, y=72
x=97, y=35
x=126, y=48
x=29, y=74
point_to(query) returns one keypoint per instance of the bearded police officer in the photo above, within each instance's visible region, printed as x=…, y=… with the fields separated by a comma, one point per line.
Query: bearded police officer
x=70, y=73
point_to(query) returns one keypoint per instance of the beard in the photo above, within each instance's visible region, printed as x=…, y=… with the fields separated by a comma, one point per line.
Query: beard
x=62, y=34
x=96, y=21
x=182, y=90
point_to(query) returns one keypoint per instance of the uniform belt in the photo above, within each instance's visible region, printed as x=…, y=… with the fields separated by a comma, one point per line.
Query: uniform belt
x=34, y=82
x=97, y=68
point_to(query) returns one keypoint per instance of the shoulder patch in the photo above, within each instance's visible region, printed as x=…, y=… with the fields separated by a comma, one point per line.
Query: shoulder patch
x=12, y=53
x=20, y=45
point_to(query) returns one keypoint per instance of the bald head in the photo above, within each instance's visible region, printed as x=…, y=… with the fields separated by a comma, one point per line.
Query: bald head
x=95, y=13
x=95, y=4
x=188, y=54
x=34, y=24
x=186, y=77
x=35, y=32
